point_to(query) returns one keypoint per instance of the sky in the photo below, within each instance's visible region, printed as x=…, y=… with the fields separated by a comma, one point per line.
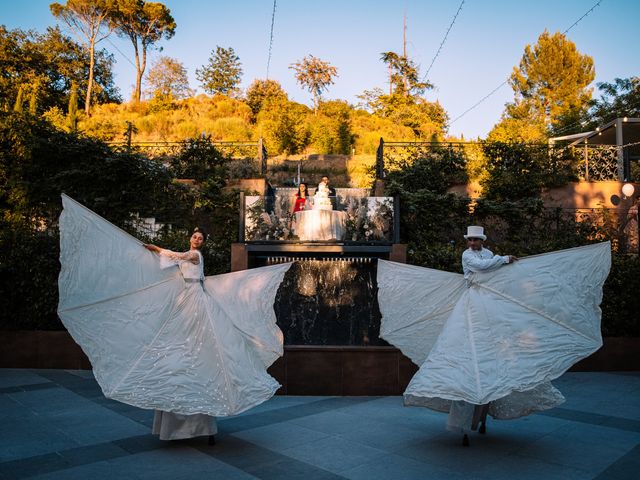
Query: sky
x=483, y=46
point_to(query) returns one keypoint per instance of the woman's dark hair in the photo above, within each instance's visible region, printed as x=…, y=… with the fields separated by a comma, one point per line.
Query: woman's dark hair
x=306, y=190
x=199, y=230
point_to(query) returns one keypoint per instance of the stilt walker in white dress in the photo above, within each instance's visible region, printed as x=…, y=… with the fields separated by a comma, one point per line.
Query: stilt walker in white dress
x=491, y=341
x=464, y=416
x=175, y=426
x=158, y=333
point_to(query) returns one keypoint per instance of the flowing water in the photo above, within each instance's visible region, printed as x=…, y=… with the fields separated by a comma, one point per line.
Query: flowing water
x=330, y=301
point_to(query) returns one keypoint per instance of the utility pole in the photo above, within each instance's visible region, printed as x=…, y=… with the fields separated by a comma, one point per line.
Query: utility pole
x=404, y=53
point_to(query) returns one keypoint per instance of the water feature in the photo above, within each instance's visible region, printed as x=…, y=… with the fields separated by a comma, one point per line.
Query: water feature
x=329, y=301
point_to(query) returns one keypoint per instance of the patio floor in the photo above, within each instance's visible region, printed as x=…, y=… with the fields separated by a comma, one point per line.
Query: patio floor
x=56, y=424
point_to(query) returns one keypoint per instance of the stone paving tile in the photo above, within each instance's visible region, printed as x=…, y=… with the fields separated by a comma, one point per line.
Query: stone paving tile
x=50, y=400
x=334, y=454
x=46, y=463
x=30, y=436
x=178, y=460
x=280, y=436
x=391, y=411
x=261, y=462
x=583, y=447
x=269, y=417
x=141, y=443
x=332, y=422
x=285, y=468
x=626, y=467
x=105, y=426
x=85, y=374
x=13, y=377
x=526, y=468
x=396, y=467
x=446, y=451
x=282, y=401
x=60, y=426
x=380, y=436
x=9, y=408
x=619, y=423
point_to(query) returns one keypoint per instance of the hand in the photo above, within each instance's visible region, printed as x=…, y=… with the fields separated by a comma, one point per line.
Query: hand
x=152, y=248
x=513, y=258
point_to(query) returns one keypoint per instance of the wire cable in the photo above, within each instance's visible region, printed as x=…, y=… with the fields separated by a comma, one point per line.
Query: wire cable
x=505, y=82
x=583, y=16
x=443, y=40
x=120, y=51
x=273, y=18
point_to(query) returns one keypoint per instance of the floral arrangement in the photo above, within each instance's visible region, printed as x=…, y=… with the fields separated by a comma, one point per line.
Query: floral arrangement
x=269, y=226
x=367, y=224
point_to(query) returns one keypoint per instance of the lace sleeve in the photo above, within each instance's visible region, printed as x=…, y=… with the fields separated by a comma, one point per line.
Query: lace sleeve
x=190, y=256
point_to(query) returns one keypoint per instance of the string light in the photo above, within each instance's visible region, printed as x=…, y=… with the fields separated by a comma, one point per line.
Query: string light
x=443, y=40
x=505, y=82
x=583, y=16
x=273, y=19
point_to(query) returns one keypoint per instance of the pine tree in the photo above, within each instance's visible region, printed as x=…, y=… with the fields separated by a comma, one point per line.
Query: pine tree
x=550, y=84
x=223, y=72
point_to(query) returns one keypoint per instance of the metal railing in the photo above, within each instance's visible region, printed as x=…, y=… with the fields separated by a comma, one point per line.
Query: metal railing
x=585, y=162
x=232, y=150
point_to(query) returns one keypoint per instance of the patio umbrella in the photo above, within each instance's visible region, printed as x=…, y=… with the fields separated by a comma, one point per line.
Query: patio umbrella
x=501, y=333
x=152, y=340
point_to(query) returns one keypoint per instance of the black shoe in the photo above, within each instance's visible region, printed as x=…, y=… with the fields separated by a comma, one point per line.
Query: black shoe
x=483, y=429
x=212, y=439
x=465, y=440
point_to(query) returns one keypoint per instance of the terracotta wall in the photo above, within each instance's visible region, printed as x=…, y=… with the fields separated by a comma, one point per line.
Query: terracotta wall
x=304, y=370
x=580, y=195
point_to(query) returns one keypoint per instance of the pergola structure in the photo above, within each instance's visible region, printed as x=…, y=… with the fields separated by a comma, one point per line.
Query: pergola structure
x=622, y=133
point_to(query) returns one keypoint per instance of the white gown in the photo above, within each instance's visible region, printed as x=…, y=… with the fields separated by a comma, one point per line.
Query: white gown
x=175, y=426
x=500, y=336
x=162, y=337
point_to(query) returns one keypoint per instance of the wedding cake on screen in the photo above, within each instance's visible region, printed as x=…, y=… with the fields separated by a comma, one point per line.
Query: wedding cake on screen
x=321, y=200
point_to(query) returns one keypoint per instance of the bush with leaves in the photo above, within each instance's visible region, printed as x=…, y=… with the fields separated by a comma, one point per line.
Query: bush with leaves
x=434, y=169
x=520, y=170
x=37, y=164
x=620, y=301
x=331, y=129
x=201, y=161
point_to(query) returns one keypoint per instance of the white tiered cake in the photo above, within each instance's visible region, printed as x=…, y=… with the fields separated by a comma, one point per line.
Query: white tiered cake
x=321, y=200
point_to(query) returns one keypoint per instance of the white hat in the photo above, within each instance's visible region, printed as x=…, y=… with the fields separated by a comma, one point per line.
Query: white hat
x=475, y=231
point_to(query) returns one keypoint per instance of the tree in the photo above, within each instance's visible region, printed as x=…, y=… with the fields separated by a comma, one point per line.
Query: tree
x=144, y=23
x=621, y=98
x=316, y=75
x=89, y=19
x=45, y=66
x=223, y=72
x=72, y=111
x=331, y=130
x=405, y=103
x=550, y=86
x=71, y=63
x=403, y=75
x=260, y=92
x=167, y=79
x=284, y=126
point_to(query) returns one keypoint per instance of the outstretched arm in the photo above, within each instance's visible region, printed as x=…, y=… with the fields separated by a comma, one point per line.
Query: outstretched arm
x=475, y=264
x=190, y=256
